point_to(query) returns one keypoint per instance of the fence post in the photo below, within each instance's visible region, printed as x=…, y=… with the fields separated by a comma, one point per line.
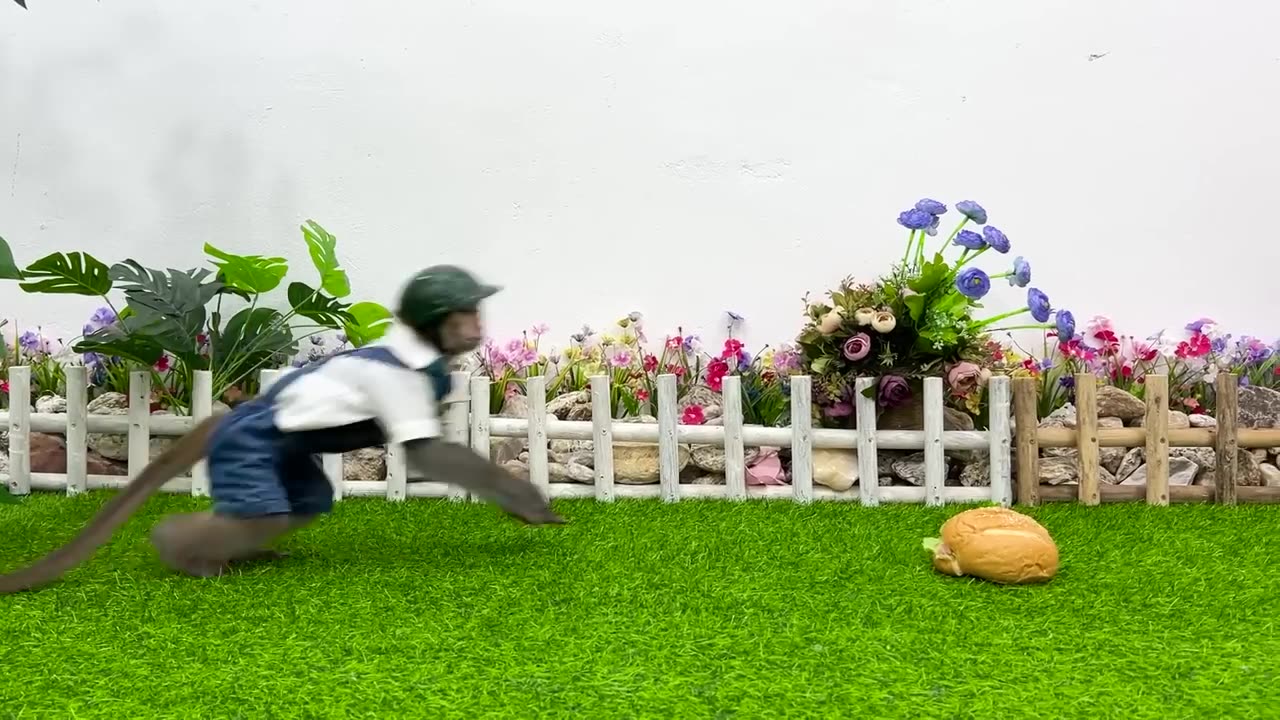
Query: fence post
x=1226, y=409
x=479, y=409
x=536, y=393
x=1156, y=423
x=20, y=430
x=1087, y=437
x=735, y=471
x=1000, y=442
x=935, y=473
x=868, y=463
x=457, y=425
x=1027, y=424
x=201, y=408
x=77, y=429
x=602, y=436
x=139, y=422
x=669, y=439
x=802, y=438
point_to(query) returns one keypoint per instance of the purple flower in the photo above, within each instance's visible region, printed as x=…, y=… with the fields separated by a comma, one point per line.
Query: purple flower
x=914, y=219
x=973, y=211
x=744, y=361
x=839, y=409
x=1198, y=324
x=933, y=207
x=893, y=391
x=1067, y=381
x=1021, y=272
x=1066, y=325
x=933, y=226
x=1218, y=344
x=969, y=239
x=857, y=347
x=973, y=283
x=1038, y=304
x=995, y=239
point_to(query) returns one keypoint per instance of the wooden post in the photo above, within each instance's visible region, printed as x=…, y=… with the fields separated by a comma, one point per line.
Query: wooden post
x=868, y=463
x=77, y=429
x=1156, y=423
x=139, y=422
x=935, y=473
x=201, y=408
x=457, y=425
x=1227, y=404
x=1027, y=421
x=1087, y=437
x=20, y=429
x=735, y=470
x=802, y=438
x=602, y=434
x=669, y=438
x=535, y=389
x=998, y=431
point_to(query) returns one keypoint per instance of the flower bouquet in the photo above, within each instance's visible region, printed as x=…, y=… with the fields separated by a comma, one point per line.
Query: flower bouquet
x=918, y=321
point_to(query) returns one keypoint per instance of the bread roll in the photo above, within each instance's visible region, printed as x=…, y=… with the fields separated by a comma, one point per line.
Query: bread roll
x=996, y=544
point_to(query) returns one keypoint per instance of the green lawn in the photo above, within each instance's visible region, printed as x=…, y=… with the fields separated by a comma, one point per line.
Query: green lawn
x=638, y=609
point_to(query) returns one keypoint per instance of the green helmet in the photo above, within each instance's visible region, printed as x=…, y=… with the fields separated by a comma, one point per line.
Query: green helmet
x=435, y=292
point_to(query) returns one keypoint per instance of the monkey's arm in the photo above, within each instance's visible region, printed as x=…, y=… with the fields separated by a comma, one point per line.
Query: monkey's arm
x=455, y=464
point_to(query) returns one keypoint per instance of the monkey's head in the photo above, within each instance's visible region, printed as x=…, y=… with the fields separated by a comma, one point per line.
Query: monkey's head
x=442, y=304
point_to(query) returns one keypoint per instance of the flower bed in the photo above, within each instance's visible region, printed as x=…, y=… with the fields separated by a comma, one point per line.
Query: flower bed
x=917, y=321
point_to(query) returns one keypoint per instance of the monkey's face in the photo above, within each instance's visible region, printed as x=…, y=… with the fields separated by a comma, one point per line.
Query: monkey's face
x=461, y=332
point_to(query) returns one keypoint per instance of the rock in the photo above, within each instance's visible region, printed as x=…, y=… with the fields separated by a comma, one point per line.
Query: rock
x=51, y=404
x=1200, y=420
x=910, y=416
x=708, y=480
x=1248, y=471
x=1273, y=451
x=977, y=473
x=708, y=457
x=1110, y=423
x=365, y=465
x=1259, y=407
x=1114, y=402
x=517, y=468
x=1133, y=458
x=709, y=400
x=1058, y=471
x=49, y=455
x=835, y=468
x=637, y=463
x=559, y=472
x=1204, y=458
x=1181, y=472
x=503, y=449
x=1270, y=475
x=911, y=468
x=1064, y=416
x=1177, y=420
x=570, y=406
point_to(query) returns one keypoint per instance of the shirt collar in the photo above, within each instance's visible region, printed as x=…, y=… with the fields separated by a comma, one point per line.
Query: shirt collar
x=409, y=347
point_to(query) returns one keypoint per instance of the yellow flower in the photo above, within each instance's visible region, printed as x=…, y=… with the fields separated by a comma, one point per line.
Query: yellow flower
x=606, y=339
x=573, y=352
x=767, y=358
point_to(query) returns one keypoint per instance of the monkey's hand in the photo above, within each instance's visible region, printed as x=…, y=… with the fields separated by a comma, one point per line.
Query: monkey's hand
x=457, y=465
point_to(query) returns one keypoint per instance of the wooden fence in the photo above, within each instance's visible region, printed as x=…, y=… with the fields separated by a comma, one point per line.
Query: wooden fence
x=1155, y=437
x=471, y=424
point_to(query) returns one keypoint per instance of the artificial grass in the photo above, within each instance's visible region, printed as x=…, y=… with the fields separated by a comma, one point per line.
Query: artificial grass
x=639, y=609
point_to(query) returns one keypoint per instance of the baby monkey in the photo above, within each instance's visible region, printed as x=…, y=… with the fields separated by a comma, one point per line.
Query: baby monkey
x=265, y=475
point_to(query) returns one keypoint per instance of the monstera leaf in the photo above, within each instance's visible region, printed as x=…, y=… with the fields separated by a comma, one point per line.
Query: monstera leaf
x=248, y=273
x=73, y=273
x=249, y=341
x=169, y=308
x=333, y=279
x=319, y=307
x=8, y=268
x=126, y=339
x=370, y=322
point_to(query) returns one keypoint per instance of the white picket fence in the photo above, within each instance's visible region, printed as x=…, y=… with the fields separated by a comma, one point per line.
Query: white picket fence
x=470, y=423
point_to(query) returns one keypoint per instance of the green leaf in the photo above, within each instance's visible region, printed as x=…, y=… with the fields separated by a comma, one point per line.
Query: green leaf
x=317, y=306
x=932, y=544
x=116, y=341
x=932, y=275
x=819, y=365
x=74, y=273
x=250, y=273
x=333, y=279
x=915, y=307
x=251, y=338
x=371, y=321
x=8, y=268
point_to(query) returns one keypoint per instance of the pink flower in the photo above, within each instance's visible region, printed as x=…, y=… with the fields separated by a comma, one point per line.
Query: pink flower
x=963, y=378
x=539, y=330
x=162, y=365
x=642, y=394
x=857, y=347
x=620, y=358
x=4, y=386
x=692, y=415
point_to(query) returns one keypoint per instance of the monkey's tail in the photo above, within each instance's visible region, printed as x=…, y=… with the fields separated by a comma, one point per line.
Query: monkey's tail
x=184, y=453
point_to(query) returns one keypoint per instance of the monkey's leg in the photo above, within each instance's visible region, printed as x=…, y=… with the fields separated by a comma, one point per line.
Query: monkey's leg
x=205, y=544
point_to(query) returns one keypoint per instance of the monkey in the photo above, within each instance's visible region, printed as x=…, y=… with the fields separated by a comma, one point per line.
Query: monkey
x=262, y=456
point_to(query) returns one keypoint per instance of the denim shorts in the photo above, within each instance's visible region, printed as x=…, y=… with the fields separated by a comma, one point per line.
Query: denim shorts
x=254, y=469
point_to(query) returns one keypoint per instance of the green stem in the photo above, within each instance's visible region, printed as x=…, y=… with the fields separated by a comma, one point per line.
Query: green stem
x=1042, y=326
x=998, y=318
x=911, y=241
x=966, y=258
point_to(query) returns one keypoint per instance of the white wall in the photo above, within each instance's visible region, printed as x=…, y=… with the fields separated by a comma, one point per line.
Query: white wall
x=598, y=158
